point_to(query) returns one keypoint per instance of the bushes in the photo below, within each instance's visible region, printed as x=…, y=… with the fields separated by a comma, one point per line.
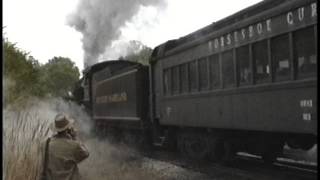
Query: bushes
x=25, y=77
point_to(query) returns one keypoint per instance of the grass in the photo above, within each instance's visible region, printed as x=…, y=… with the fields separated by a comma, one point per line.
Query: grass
x=23, y=136
x=26, y=129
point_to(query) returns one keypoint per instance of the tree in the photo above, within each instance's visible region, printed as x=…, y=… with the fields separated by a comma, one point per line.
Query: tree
x=138, y=53
x=25, y=77
x=21, y=73
x=59, y=75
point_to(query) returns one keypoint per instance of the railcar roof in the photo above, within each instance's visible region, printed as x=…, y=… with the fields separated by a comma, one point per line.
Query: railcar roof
x=240, y=15
x=101, y=65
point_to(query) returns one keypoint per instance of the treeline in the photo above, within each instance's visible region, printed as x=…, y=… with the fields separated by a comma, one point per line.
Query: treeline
x=25, y=77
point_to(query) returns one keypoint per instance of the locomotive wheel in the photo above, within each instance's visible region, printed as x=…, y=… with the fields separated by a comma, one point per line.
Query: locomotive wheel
x=229, y=152
x=143, y=141
x=181, y=144
x=269, y=157
x=301, y=143
x=171, y=140
x=140, y=140
x=147, y=140
x=193, y=146
x=271, y=152
x=196, y=147
x=307, y=145
x=114, y=135
x=216, y=149
x=98, y=131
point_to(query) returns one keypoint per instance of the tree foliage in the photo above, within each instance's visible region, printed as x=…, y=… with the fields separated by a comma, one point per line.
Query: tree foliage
x=59, y=76
x=138, y=53
x=25, y=77
x=21, y=73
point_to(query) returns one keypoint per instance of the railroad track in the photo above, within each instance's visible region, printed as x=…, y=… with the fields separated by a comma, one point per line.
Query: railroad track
x=283, y=168
x=243, y=167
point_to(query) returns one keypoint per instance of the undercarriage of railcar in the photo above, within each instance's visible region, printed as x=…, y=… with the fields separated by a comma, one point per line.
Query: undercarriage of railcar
x=222, y=145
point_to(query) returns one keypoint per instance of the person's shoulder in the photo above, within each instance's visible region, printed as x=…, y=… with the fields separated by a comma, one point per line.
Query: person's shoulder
x=73, y=142
x=62, y=140
x=43, y=142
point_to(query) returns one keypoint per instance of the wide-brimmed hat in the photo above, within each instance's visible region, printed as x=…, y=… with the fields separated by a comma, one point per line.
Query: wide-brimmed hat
x=61, y=122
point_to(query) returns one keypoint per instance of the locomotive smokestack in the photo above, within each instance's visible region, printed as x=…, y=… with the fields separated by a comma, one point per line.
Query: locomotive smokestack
x=100, y=22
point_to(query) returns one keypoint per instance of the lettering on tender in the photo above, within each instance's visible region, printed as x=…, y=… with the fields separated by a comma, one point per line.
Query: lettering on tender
x=117, y=97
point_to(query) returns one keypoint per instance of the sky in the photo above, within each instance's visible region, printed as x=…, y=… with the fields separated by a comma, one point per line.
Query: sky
x=40, y=26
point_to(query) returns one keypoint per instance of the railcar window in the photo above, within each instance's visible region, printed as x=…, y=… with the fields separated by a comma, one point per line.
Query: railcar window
x=167, y=81
x=193, y=75
x=305, y=55
x=214, y=71
x=280, y=57
x=184, y=78
x=203, y=75
x=227, y=68
x=243, y=61
x=175, y=79
x=260, y=58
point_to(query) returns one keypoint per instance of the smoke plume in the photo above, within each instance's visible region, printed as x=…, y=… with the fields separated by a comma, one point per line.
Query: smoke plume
x=122, y=49
x=100, y=22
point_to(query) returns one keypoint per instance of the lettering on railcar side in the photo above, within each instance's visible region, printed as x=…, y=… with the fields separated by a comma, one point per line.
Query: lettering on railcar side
x=268, y=22
x=168, y=111
x=229, y=39
x=313, y=9
x=251, y=31
x=235, y=34
x=306, y=103
x=259, y=28
x=306, y=116
x=301, y=13
x=290, y=19
x=116, y=97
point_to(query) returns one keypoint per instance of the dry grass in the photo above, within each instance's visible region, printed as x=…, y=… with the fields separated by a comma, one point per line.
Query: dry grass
x=25, y=132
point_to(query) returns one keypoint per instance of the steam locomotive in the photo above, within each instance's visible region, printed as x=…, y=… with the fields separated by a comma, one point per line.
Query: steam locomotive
x=245, y=83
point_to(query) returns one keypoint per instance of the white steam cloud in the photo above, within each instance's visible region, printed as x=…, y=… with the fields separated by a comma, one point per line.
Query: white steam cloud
x=100, y=22
x=122, y=48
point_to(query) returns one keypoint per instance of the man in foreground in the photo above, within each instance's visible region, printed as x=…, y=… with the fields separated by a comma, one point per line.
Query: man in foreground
x=63, y=151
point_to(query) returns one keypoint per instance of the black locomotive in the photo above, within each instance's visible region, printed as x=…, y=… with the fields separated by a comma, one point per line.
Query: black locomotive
x=245, y=83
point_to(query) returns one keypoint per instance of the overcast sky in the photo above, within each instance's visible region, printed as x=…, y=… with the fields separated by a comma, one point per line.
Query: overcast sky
x=40, y=26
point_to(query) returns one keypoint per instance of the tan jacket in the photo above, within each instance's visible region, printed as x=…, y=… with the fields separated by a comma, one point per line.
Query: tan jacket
x=64, y=155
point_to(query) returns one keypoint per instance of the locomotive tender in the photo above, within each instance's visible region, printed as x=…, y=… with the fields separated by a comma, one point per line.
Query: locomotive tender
x=245, y=83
